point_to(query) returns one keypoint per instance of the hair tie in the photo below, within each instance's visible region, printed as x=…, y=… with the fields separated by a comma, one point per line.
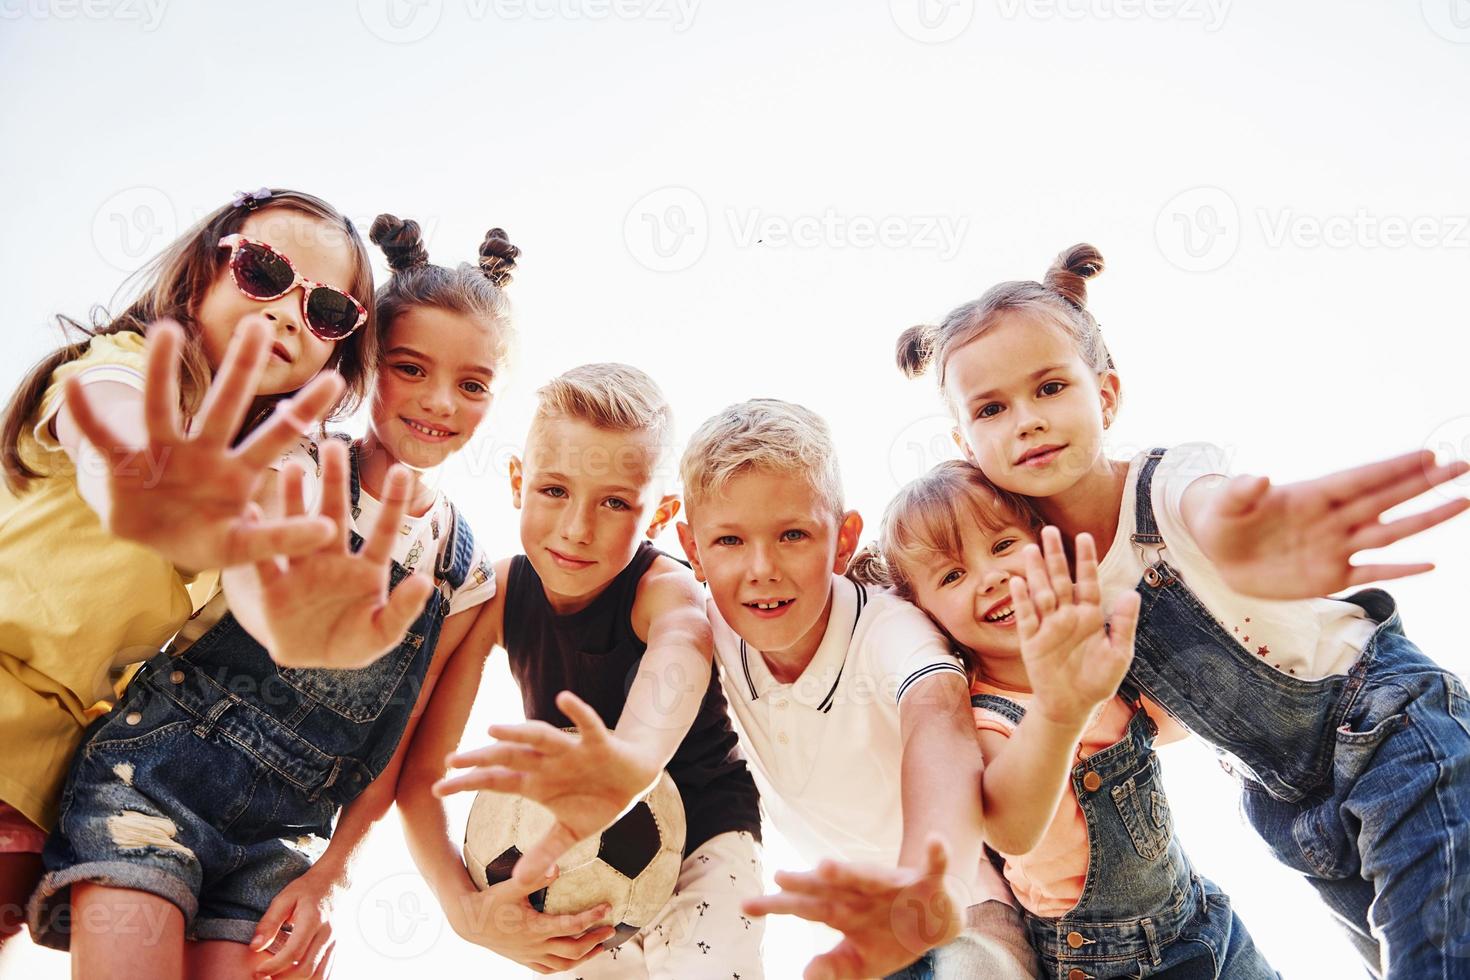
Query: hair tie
x=249, y=199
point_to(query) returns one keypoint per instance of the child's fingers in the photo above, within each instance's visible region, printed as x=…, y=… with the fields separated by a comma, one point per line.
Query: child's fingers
x=297, y=942
x=589, y=723
x=263, y=541
x=235, y=383
x=518, y=757
x=570, y=926
x=336, y=502
x=1027, y=621
x=277, y=913
x=537, y=735
x=1088, y=590
x=317, y=954
x=540, y=856
x=1363, y=574
x=1055, y=557
x=290, y=419
x=860, y=879
x=1367, y=480
x=1123, y=625
x=292, y=481
x=813, y=908
x=103, y=437
x=379, y=546
x=494, y=780
x=404, y=605
x=936, y=856
x=1381, y=535
x=161, y=389
x=1367, y=508
x=1038, y=581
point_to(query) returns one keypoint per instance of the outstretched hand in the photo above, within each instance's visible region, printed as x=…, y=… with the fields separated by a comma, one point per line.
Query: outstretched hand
x=587, y=779
x=332, y=607
x=1075, y=657
x=888, y=917
x=185, y=494
x=1296, y=541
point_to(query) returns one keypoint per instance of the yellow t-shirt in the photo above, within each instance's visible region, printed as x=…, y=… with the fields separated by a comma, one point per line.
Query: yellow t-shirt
x=75, y=602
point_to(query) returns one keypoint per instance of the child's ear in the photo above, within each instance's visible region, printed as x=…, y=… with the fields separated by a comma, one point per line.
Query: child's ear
x=1110, y=391
x=516, y=478
x=849, y=536
x=959, y=440
x=668, y=509
x=691, y=550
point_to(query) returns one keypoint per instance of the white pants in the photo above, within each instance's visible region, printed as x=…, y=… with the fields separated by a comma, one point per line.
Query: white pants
x=701, y=933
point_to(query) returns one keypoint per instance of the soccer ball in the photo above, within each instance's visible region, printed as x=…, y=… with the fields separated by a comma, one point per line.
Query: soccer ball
x=632, y=865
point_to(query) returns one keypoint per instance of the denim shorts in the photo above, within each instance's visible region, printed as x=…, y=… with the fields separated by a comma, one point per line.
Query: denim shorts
x=152, y=805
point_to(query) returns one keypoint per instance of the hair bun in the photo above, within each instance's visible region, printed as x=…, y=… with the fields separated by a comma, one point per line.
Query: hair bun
x=401, y=241
x=498, y=256
x=915, y=350
x=1068, y=275
x=869, y=568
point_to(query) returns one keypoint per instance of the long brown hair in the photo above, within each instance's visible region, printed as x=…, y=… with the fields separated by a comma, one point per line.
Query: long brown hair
x=173, y=284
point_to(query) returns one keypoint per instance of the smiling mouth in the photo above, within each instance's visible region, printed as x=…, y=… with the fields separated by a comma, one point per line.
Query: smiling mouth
x=567, y=561
x=1002, y=615
x=278, y=351
x=767, y=605
x=427, y=430
x=1044, y=454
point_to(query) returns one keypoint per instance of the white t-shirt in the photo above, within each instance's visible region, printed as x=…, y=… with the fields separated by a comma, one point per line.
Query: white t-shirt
x=1307, y=638
x=826, y=750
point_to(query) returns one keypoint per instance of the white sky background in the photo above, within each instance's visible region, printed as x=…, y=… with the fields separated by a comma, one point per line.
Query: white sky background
x=1279, y=190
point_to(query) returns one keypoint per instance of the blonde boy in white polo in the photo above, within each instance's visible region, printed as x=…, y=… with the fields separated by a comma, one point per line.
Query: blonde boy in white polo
x=851, y=708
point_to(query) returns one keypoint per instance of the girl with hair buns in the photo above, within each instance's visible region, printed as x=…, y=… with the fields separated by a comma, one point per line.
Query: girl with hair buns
x=254, y=846
x=1352, y=746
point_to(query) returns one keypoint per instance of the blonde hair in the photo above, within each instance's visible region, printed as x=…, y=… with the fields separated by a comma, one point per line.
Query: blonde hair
x=1060, y=297
x=764, y=435
x=616, y=397
x=926, y=517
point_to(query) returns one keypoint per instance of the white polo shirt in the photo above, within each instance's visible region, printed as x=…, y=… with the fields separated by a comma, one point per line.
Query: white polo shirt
x=826, y=750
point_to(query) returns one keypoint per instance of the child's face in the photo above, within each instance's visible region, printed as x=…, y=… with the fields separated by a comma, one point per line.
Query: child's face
x=585, y=495
x=320, y=252
x=433, y=388
x=1029, y=408
x=768, y=547
x=971, y=597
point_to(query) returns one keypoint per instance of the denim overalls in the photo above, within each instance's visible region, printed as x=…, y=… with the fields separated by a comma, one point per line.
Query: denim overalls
x=1144, y=912
x=214, y=779
x=1361, y=781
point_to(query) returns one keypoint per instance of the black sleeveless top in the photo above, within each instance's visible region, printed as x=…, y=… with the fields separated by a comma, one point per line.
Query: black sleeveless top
x=594, y=653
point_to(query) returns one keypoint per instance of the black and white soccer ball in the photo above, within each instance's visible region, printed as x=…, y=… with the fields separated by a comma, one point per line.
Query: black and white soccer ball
x=632, y=865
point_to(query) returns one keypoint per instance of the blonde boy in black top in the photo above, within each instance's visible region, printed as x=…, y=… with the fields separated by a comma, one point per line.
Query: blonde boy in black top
x=577, y=613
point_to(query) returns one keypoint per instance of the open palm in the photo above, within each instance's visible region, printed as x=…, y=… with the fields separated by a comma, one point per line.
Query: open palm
x=1296, y=541
x=1075, y=656
x=332, y=607
x=185, y=494
x=587, y=779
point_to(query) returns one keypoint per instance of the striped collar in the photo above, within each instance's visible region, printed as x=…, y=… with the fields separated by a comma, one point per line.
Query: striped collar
x=817, y=684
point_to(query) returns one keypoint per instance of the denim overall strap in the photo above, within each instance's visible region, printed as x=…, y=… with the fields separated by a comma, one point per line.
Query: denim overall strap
x=1278, y=728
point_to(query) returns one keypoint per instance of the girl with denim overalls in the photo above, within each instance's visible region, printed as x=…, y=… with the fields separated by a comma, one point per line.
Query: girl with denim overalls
x=1106, y=890
x=1352, y=746
x=112, y=504
x=217, y=780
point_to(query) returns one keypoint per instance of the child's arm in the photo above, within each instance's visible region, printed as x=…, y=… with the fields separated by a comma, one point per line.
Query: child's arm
x=306, y=903
x=591, y=778
x=1297, y=541
x=331, y=608
x=500, y=918
x=1075, y=659
x=185, y=495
